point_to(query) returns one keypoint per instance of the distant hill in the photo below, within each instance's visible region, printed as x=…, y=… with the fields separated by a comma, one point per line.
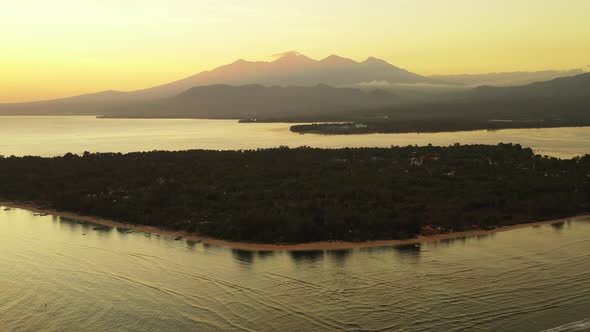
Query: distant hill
x=255, y=101
x=506, y=79
x=559, y=102
x=88, y=104
x=566, y=99
x=574, y=86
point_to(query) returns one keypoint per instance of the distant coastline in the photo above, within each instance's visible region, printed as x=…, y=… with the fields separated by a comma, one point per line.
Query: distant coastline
x=405, y=127
x=324, y=245
x=330, y=127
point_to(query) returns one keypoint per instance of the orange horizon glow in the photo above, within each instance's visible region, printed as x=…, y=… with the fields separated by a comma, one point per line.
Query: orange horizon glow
x=65, y=48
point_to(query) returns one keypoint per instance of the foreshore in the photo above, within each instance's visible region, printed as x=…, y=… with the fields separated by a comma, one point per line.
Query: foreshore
x=332, y=245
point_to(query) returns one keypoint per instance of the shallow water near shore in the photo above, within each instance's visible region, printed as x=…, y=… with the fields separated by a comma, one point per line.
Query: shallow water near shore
x=58, y=135
x=58, y=274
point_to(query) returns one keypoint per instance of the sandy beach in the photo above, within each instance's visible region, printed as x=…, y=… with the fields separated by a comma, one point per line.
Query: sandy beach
x=333, y=245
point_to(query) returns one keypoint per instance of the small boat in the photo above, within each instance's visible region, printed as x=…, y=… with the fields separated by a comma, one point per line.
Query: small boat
x=7, y=209
x=178, y=238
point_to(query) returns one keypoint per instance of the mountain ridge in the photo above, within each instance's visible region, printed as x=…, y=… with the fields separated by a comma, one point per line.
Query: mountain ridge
x=288, y=69
x=298, y=68
x=506, y=78
x=570, y=86
x=253, y=101
x=294, y=69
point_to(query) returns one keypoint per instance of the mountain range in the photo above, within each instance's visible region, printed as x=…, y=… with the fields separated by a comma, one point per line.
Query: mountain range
x=289, y=69
x=293, y=69
x=567, y=96
x=293, y=84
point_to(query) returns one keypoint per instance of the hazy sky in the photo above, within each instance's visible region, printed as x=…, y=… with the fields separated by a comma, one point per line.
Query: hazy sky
x=53, y=48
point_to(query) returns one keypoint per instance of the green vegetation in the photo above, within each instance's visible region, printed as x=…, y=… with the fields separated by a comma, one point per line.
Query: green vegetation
x=299, y=195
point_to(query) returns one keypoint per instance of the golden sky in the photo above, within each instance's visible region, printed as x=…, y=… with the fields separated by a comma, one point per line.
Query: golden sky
x=59, y=48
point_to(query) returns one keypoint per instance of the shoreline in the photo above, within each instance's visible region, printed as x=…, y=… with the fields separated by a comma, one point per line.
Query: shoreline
x=328, y=133
x=312, y=246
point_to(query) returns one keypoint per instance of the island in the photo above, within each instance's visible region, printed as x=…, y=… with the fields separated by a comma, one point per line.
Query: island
x=301, y=195
x=372, y=126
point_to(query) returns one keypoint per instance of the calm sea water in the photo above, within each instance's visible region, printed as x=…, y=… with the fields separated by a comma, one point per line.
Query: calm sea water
x=51, y=136
x=58, y=275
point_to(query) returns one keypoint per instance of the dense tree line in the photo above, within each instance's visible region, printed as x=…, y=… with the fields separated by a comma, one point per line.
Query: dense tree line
x=306, y=194
x=428, y=126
